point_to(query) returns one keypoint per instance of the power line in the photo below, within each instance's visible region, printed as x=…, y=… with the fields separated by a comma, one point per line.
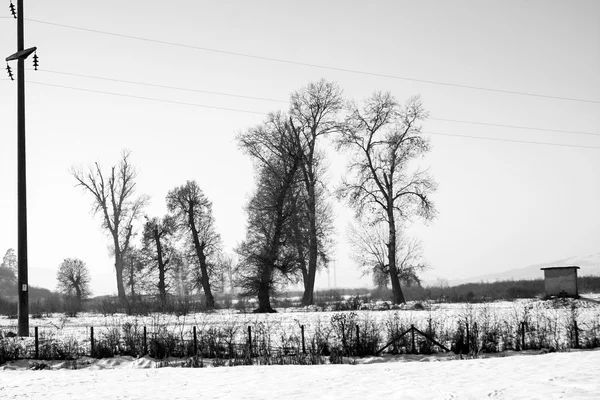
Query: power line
x=283, y=101
x=262, y=113
x=515, y=126
x=316, y=65
x=513, y=141
x=148, y=98
x=163, y=86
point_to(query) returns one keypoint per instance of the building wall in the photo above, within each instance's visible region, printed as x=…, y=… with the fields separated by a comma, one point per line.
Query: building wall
x=559, y=280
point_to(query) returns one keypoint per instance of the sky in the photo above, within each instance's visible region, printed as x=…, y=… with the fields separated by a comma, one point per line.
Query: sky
x=501, y=204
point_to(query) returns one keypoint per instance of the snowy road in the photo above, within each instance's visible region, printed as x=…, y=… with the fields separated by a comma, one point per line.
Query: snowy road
x=574, y=375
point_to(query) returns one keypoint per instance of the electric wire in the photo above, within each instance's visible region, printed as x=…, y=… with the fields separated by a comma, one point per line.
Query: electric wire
x=279, y=60
x=513, y=140
x=283, y=101
x=263, y=113
x=161, y=86
x=148, y=98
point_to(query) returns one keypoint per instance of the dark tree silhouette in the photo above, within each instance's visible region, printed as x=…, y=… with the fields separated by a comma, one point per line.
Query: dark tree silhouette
x=159, y=252
x=114, y=198
x=192, y=212
x=267, y=254
x=313, y=115
x=133, y=269
x=384, y=139
x=73, y=279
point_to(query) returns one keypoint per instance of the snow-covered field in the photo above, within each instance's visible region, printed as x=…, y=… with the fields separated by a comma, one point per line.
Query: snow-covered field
x=552, y=319
x=568, y=375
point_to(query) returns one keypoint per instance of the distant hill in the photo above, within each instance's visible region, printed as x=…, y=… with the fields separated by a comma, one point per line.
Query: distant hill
x=8, y=291
x=589, y=265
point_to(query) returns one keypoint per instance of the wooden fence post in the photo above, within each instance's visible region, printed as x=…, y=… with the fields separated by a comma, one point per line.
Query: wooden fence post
x=37, y=344
x=92, y=352
x=195, y=343
x=250, y=340
x=145, y=342
x=358, y=340
x=522, y=335
x=576, y=334
x=412, y=338
x=303, y=345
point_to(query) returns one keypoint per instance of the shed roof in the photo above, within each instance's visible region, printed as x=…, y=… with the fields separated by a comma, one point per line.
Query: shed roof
x=568, y=267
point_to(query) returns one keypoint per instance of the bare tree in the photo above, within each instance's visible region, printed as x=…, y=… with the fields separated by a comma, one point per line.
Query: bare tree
x=73, y=279
x=114, y=198
x=384, y=138
x=313, y=115
x=8, y=267
x=160, y=253
x=193, y=214
x=133, y=270
x=267, y=254
x=369, y=244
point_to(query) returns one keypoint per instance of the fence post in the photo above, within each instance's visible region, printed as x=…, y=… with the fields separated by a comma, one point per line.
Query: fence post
x=412, y=338
x=358, y=340
x=145, y=342
x=474, y=342
x=195, y=343
x=302, y=332
x=250, y=340
x=576, y=334
x=92, y=341
x=37, y=344
x=522, y=335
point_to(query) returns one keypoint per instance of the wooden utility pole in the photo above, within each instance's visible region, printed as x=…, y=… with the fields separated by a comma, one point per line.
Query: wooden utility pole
x=22, y=279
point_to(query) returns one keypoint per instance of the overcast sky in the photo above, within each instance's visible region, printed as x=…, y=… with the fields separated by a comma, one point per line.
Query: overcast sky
x=501, y=205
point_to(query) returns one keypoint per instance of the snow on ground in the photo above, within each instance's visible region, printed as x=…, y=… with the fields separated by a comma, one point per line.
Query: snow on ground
x=571, y=375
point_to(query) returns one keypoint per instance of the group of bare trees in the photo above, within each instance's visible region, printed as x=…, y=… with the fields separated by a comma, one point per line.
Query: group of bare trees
x=289, y=229
x=178, y=252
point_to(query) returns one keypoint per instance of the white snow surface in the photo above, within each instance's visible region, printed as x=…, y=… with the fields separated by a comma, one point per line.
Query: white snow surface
x=570, y=375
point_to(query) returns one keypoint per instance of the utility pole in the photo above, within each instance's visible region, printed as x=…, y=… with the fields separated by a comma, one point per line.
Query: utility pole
x=22, y=279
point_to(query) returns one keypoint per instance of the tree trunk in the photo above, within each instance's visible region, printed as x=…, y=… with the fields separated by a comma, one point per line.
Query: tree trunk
x=309, y=284
x=264, y=293
x=78, y=297
x=162, y=289
x=131, y=278
x=398, y=296
x=119, y=273
x=210, y=301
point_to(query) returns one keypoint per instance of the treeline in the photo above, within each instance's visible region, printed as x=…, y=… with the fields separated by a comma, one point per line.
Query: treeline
x=489, y=291
x=289, y=229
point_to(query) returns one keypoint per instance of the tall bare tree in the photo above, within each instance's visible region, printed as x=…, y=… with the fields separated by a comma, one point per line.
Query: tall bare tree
x=267, y=254
x=369, y=244
x=159, y=252
x=384, y=139
x=115, y=200
x=193, y=214
x=133, y=271
x=313, y=115
x=73, y=279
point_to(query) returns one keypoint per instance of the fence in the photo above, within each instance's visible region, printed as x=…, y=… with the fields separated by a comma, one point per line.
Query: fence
x=342, y=336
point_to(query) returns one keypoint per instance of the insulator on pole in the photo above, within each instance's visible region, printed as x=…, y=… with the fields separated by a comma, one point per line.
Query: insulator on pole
x=36, y=63
x=10, y=74
x=12, y=10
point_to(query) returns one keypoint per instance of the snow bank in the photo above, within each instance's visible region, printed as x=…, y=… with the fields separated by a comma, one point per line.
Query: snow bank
x=572, y=375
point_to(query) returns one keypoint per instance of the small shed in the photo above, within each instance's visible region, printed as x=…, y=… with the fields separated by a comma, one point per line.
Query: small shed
x=561, y=281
